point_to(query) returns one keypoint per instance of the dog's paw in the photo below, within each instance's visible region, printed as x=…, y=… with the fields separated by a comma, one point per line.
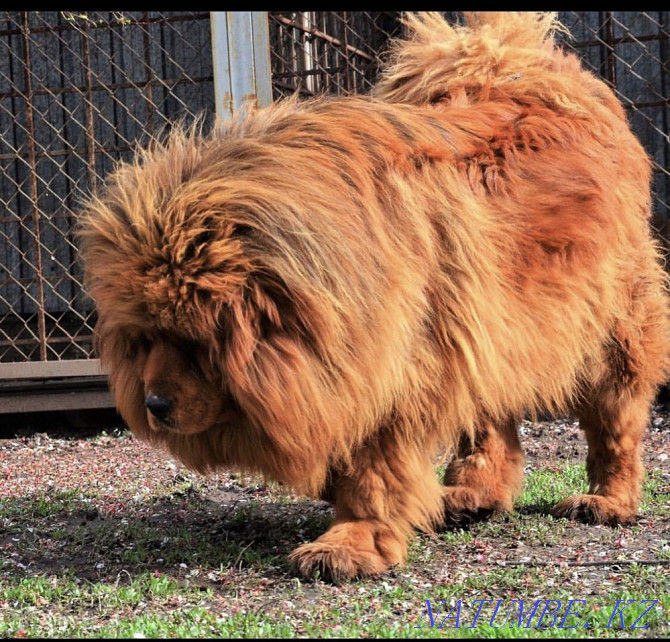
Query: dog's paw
x=595, y=509
x=463, y=505
x=347, y=551
x=334, y=563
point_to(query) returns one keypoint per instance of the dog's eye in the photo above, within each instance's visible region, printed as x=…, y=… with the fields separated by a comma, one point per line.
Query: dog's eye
x=191, y=347
x=194, y=353
x=138, y=346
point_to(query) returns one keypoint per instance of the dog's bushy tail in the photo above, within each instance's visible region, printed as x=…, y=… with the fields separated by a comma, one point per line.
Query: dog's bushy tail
x=439, y=61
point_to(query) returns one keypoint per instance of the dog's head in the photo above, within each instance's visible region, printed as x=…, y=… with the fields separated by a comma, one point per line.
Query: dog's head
x=161, y=269
x=213, y=321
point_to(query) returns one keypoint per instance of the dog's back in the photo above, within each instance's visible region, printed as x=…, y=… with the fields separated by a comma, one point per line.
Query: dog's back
x=570, y=184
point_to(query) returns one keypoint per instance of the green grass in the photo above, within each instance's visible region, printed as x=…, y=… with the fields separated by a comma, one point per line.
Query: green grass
x=43, y=504
x=656, y=494
x=160, y=607
x=544, y=488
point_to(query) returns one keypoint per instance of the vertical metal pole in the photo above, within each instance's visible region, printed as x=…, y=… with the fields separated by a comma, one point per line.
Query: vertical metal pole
x=241, y=60
x=349, y=80
x=609, y=39
x=88, y=104
x=32, y=160
x=148, y=88
x=307, y=47
x=262, y=65
x=223, y=101
x=241, y=55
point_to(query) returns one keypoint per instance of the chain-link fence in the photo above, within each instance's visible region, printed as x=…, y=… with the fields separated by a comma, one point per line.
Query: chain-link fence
x=631, y=50
x=337, y=52
x=78, y=90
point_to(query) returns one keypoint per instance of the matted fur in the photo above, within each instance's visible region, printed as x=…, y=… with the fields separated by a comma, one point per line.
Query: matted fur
x=330, y=291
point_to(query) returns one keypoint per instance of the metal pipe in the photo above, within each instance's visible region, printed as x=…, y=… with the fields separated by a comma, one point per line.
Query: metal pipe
x=241, y=60
x=30, y=126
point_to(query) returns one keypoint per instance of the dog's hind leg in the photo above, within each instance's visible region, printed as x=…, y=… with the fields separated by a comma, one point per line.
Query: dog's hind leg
x=389, y=489
x=615, y=413
x=614, y=427
x=484, y=476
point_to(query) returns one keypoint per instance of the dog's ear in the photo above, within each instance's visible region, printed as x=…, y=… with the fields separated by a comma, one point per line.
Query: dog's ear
x=275, y=370
x=118, y=351
x=264, y=310
x=275, y=309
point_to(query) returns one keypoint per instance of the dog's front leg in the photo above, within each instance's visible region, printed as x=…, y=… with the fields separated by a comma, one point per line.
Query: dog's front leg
x=389, y=489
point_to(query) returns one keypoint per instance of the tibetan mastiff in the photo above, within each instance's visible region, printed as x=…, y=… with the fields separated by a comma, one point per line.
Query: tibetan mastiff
x=332, y=291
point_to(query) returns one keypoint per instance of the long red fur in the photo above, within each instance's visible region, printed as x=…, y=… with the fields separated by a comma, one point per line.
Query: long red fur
x=330, y=291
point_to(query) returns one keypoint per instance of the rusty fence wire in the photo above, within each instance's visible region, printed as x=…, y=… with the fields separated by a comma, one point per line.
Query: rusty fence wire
x=79, y=89
x=335, y=52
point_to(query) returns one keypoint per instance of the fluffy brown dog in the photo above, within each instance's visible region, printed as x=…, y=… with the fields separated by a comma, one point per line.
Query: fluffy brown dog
x=329, y=292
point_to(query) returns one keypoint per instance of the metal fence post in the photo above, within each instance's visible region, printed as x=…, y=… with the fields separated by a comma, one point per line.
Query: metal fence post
x=241, y=57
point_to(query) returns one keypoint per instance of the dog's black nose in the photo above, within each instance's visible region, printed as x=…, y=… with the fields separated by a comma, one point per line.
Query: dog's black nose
x=158, y=406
